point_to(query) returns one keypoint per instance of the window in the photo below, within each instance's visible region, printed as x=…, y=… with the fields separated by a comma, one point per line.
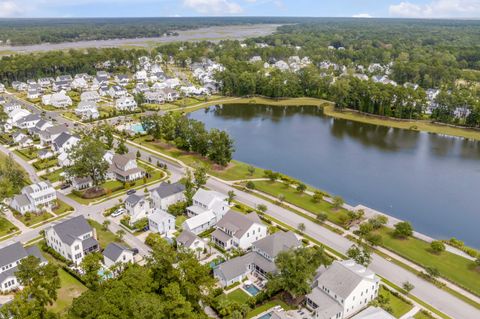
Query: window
x=77, y=247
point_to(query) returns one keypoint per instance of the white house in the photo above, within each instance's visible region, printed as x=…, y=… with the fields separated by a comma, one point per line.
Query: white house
x=138, y=207
x=34, y=198
x=10, y=258
x=373, y=313
x=141, y=76
x=115, y=254
x=28, y=121
x=236, y=230
x=207, y=209
x=159, y=221
x=59, y=100
x=124, y=168
x=260, y=261
x=342, y=290
x=80, y=83
x=90, y=96
x=117, y=91
x=167, y=194
x=189, y=240
x=64, y=142
x=126, y=103
x=73, y=239
x=87, y=110
x=51, y=133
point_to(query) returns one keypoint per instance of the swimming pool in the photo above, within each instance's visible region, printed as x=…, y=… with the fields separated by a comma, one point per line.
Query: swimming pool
x=252, y=289
x=137, y=128
x=266, y=316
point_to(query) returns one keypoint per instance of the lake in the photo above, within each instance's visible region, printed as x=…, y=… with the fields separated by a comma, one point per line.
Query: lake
x=428, y=179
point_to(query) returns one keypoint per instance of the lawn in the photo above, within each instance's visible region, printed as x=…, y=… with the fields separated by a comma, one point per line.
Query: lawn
x=452, y=267
x=266, y=306
x=423, y=315
x=62, y=208
x=30, y=219
x=304, y=201
x=40, y=165
x=238, y=295
x=6, y=227
x=53, y=176
x=399, y=306
x=70, y=288
x=27, y=154
x=104, y=237
x=234, y=171
x=179, y=221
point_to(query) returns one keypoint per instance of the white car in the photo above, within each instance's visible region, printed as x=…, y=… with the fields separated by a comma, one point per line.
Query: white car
x=118, y=212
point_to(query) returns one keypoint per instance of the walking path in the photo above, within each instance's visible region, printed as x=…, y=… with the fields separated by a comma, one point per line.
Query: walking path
x=411, y=313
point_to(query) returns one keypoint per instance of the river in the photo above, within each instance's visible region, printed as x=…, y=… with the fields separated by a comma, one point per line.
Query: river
x=427, y=179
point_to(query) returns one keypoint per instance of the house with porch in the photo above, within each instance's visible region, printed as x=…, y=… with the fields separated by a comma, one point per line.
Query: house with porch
x=35, y=197
x=138, y=207
x=190, y=241
x=126, y=103
x=124, y=168
x=236, y=230
x=115, y=254
x=73, y=238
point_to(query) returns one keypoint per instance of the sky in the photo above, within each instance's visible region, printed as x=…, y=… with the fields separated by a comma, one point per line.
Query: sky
x=185, y=8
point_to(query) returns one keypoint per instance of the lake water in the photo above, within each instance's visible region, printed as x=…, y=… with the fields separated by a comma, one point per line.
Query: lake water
x=431, y=180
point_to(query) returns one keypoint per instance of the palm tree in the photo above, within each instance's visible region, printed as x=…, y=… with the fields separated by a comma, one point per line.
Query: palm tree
x=105, y=224
x=120, y=233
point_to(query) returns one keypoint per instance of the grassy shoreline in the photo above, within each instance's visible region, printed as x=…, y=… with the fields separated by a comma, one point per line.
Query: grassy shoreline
x=329, y=110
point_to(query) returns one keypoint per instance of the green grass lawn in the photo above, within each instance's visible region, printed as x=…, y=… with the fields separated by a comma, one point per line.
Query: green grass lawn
x=62, y=208
x=301, y=200
x=238, y=295
x=423, y=315
x=104, y=237
x=27, y=154
x=53, y=176
x=266, y=306
x=30, y=219
x=179, y=221
x=234, y=171
x=453, y=267
x=70, y=288
x=6, y=227
x=40, y=165
x=399, y=307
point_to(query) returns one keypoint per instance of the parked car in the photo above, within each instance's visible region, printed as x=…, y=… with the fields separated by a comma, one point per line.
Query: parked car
x=132, y=191
x=118, y=212
x=64, y=186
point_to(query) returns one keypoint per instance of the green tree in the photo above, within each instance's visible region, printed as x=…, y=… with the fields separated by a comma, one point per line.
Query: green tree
x=178, y=208
x=200, y=176
x=119, y=234
x=437, y=246
x=189, y=187
x=432, y=272
x=301, y=187
x=296, y=270
x=262, y=208
x=105, y=224
x=250, y=185
x=87, y=160
x=121, y=147
x=91, y=265
x=231, y=196
x=251, y=170
x=408, y=286
x=337, y=202
x=403, y=230
x=321, y=217
x=221, y=147
x=317, y=197
x=301, y=227
x=361, y=256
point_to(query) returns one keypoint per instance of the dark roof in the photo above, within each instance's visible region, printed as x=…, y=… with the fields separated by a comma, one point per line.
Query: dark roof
x=113, y=251
x=71, y=229
x=62, y=139
x=89, y=243
x=12, y=253
x=186, y=238
x=133, y=199
x=277, y=242
x=167, y=189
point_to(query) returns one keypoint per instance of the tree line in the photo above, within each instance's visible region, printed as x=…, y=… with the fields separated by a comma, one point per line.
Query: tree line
x=190, y=135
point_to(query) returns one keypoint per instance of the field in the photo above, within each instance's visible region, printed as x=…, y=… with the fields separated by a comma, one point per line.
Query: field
x=397, y=305
x=6, y=227
x=30, y=219
x=452, y=267
x=104, y=237
x=70, y=288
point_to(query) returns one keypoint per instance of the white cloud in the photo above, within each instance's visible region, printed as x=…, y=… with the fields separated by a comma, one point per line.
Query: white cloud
x=362, y=15
x=214, y=7
x=437, y=9
x=8, y=8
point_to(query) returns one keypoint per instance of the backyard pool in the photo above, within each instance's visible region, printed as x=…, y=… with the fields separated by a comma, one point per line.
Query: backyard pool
x=266, y=316
x=252, y=290
x=137, y=128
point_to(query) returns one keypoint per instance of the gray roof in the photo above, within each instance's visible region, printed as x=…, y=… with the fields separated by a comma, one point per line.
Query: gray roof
x=12, y=253
x=186, y=238
x=22, y=200
x=62, y=139
x=280, y=241
x=343, y=277
x=29, y=118
x=133, y=199
x=235, y=267
x=327, y=306
x=167, y=189
x=71, y=229
x=373, y=313
x=238, y=223
x=113, y=251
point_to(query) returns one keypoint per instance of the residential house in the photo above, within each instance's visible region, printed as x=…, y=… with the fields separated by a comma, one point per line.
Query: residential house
x=2, y=99
x=161, y=222
x=45, y=82
x=40, y=127
x=167, y=194
x=18, y=136
x=28, y=121
x=64, y=142
x=115, y=254
x=25, y=142
x=126, y=103
x=117, y=91
x=138, y=207
x=34, y=198
x=170, y=94
x=10, y=106
x=73, y=239
x=141, y=88
x=19, y=86
x=103, y=75
x=122, y=79
x=207, y=209
x=10, y=258
x=154, y=97
x=59, y=100
x=236, y=230
x=33, y=93
x=45, y=153
x=124, y=168
x=51, y=133
x=189, y=240
x=79, y=183
x=80, y=83
x=373, y=313
x=141, y=76
x=87, y=110
x=14, y=116
x=2, y=88
x=259, y=262
x=90, y=96
x=342, y=290
x=61, y=86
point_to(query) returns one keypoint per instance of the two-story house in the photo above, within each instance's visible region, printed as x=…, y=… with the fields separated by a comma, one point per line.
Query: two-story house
x=190, y=241
x=167, y=194
x=126, y=103
x=35, y=197
x=342, y=290
x=207, y=209
x=260, y=261
x=161, y=222
x=236, y=230
x=73, y=239
x=124, y=168
x=138, y=207
x=51, y=133
x=115, y=254
x=10, y=258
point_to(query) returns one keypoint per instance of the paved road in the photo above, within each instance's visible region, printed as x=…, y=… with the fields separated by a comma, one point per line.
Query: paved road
x=424, y=290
